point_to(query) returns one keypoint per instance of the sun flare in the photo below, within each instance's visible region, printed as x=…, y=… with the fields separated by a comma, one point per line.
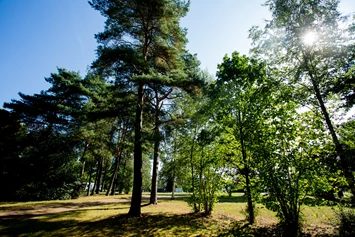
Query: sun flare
x=309, y=38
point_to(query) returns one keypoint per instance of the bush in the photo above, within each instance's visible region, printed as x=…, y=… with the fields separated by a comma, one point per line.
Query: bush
x=346, y=218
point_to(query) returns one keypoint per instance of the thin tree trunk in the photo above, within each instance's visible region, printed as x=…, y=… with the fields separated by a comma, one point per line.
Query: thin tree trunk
x=338, y=147
x=247, y=180
x=154, y=189
x=104, y=178
x=114, y=185
x=95, y=182
x=113, y=182
x=83, y=160
x=114, y=176
x=173, y=191
x=82, y=169
x=173, y=171
x=99, y=176
x=121, y=186
x=202, y=189
x=192, y=173
x=135, y=208
x=90, y=176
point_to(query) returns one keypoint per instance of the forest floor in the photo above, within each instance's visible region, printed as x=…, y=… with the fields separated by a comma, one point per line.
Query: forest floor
x=106, y=216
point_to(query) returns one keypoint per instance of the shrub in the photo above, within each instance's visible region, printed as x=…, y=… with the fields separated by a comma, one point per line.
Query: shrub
x=346, y=218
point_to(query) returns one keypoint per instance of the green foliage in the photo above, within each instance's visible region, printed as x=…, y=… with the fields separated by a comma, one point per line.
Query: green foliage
x=12, y=135
x=47, y=169
x=315, y=70
x=142, y=48
x=125, y=177
x=208, y=179
x=46, y=166
x=290, y=164
x=239, y=98
x=346, y=218
x=298, y=157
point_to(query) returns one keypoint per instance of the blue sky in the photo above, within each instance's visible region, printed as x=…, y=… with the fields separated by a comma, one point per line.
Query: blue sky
x=37, y=36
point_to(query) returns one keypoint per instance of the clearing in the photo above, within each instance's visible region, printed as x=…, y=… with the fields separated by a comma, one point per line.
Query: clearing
x=106, y=216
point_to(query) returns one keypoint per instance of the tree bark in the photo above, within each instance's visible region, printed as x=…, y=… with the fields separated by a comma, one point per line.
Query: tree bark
x=99, y=175
x=113, y=182
x=90, y=176
x=83, y=160
x=114, y=176
x=338, y=147
x=104, y=178
x=173, y=169
x=154, y=189
x=173, y=188
x=135, y=209
x=95, y=182
x=192, y=173
x=247, y=178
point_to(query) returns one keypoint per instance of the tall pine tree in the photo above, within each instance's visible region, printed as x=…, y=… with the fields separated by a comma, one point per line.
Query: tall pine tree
x=142, y=45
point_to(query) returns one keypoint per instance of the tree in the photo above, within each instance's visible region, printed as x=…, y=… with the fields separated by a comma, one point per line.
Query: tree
x=290, y=149
x=11, y=145
x=48, y=162
x=239, y=97
x=311, y=65
x=141, y=46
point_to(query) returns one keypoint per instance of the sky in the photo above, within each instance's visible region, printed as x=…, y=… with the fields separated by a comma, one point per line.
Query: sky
x=37, y=36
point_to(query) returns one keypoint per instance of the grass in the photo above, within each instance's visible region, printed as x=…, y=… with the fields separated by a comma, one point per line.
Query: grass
x=106, y=216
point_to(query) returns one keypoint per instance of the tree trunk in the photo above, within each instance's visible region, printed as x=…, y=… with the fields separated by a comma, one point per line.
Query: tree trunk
x=114, y=176
x=99, y=176
x=95, y=182
x=90, y=176
x=338, y=147
x=251, y=214
x=113, y=190
x=83, y=160
x=135, y=209
x=173, y=170
x=201, y=185
x=173, y=191
x=82, y=169
x=193, y=174
x=104, y=178
x=113, y=182
x=154, y=189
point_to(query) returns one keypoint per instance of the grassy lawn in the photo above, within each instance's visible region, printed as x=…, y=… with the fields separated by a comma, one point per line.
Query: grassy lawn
x=106, y=216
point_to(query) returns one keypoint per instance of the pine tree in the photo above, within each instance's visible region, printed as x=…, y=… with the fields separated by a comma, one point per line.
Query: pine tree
x=141, y=47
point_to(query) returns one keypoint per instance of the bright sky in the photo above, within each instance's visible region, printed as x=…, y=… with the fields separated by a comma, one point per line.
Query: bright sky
x=40, y=35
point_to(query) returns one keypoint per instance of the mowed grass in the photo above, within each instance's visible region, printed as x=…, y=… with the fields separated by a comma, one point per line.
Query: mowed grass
x=106, y=216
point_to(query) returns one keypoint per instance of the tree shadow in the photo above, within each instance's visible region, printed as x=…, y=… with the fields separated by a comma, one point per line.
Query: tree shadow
x=59, y=205
x=243, y=229
x=120, y=225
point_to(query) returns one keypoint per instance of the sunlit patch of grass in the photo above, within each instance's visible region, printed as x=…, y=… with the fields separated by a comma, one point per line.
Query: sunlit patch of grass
x=318, y=215
x=106, y=216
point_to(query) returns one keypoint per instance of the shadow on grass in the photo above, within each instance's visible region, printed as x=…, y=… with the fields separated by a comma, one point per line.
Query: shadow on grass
x=120, y=225
x=69, y=205
x=65, y=224
x=242, y=229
